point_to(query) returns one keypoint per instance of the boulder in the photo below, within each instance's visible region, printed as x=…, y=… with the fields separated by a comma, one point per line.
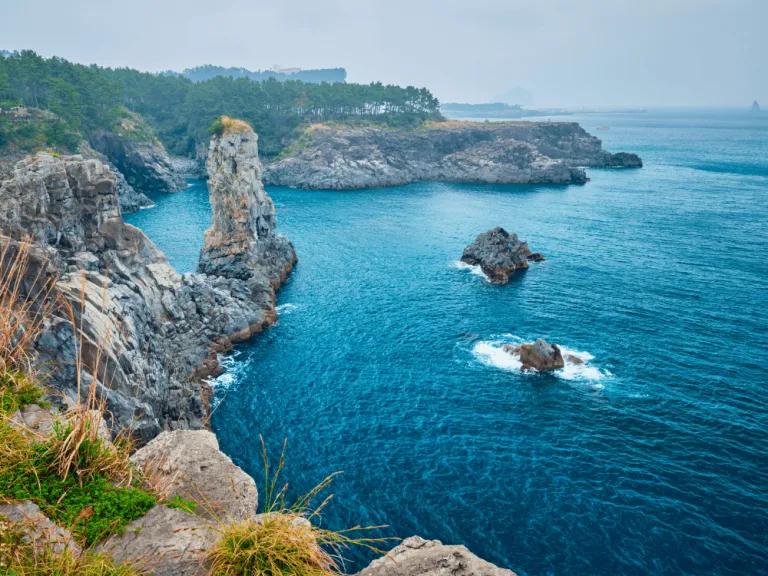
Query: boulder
x=38, y=530
x=499, y=254
x=204, y=473
x=419, y=557
x=540, y=355
x=165, y=541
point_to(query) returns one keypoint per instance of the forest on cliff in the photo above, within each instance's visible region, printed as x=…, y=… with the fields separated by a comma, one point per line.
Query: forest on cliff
x=82, y=99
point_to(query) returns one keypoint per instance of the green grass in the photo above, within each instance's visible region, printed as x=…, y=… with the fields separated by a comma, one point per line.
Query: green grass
x=90, y=508
x=181, y=503
x=17, y=391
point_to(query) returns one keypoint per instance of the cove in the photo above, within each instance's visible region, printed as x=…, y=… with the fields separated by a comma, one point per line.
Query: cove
x=385, y=362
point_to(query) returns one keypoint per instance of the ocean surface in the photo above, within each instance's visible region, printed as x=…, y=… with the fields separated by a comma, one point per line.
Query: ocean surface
x=386, y=363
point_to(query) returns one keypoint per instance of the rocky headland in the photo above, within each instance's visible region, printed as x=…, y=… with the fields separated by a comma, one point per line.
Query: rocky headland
x=145, y=165
x=499, y=255
x=149, y=333
x=345, y=157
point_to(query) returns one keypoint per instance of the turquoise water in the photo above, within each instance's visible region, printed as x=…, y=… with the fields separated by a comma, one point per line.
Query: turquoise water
x=650, y=458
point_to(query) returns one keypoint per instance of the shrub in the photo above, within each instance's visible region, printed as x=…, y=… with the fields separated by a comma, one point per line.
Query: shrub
x=216, y=127
x=283, y=540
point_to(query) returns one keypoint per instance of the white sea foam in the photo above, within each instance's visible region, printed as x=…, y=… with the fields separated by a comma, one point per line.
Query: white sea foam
x=491, y=353
x=475, y=269
x=147, y=207
x=286, y=309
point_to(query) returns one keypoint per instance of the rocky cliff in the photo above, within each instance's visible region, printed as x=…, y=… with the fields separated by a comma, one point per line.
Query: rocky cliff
x=145, y=165
x=148, y=332
x=241, y=240
x=341, y=158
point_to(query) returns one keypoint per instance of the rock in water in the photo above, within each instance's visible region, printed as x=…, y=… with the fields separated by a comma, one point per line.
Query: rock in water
x=419, y=557
x=148, y=333
x=241, y=240
x=540, y=355
x=499, y=254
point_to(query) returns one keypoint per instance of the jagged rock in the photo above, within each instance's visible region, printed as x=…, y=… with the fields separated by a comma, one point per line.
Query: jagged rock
x=540, y=355
x=152, y=331
x=343, y=158
x=165, y=541
x=499, y=254
x=188, y=167
x=38, y=529
x=145, y=165
x=574, y=359
x=419, y=557
x=205, y=474
x=33, y=418
x=241, y=241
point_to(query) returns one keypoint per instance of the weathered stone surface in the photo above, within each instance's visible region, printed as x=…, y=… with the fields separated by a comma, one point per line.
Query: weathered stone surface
x=188, y=167
x=499, y=254
x=205, y=474
x=145, y=165
x=540, y=355
x=241, y=241
x=342, y=158
x=419, y=557
x=152, y=331
x=166, y=542
x=38, y=530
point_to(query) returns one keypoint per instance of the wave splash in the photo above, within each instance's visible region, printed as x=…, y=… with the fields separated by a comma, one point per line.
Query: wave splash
x=474, y=269
x=491, y=353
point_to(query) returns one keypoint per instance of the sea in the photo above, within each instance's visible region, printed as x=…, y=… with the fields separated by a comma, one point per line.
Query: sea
x=387, y=365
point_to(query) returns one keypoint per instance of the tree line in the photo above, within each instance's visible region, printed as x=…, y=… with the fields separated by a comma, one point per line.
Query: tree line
x=88, y=98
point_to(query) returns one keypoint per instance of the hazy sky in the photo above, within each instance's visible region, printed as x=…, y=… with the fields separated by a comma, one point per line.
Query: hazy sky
x=567, y=53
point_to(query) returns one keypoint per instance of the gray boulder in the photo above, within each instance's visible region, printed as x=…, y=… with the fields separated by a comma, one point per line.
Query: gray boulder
x=165, y=542
x=499, y=254
x=419, y=557
x=38, y=530
x=203, y=472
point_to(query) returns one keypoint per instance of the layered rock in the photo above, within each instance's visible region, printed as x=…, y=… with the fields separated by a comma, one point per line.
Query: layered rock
x=147, y=331
x=419, y=557
x=342, y=158
x=499, y=254
x=540, y=355
x=145, y=165
x=241, y=241
x=202, y=473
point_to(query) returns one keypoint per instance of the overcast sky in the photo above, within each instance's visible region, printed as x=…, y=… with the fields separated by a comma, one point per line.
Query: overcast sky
x=567, y=53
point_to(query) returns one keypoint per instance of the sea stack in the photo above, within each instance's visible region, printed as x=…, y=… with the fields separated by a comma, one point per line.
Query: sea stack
x=541, y=355
x=499, y=254
x=241, y=240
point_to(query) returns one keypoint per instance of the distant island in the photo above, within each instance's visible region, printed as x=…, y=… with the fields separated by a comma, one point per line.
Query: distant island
x=209, y=71
x=755, y=106
x=499, y=110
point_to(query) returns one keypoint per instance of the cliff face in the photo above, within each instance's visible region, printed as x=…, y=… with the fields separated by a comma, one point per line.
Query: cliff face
x=145, y=165
x=241, y=241
x=148, y=332
x=341, y=158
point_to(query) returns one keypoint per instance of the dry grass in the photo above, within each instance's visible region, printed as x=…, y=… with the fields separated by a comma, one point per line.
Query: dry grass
x=20, y=558
x=283, y=540
x=25, y=302
x=235, y=126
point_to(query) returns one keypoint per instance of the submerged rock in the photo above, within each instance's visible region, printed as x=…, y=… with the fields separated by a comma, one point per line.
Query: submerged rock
x=344, y=157
x=203, y=473
x=419, y=557
x=499, y=254
x=540, y=355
